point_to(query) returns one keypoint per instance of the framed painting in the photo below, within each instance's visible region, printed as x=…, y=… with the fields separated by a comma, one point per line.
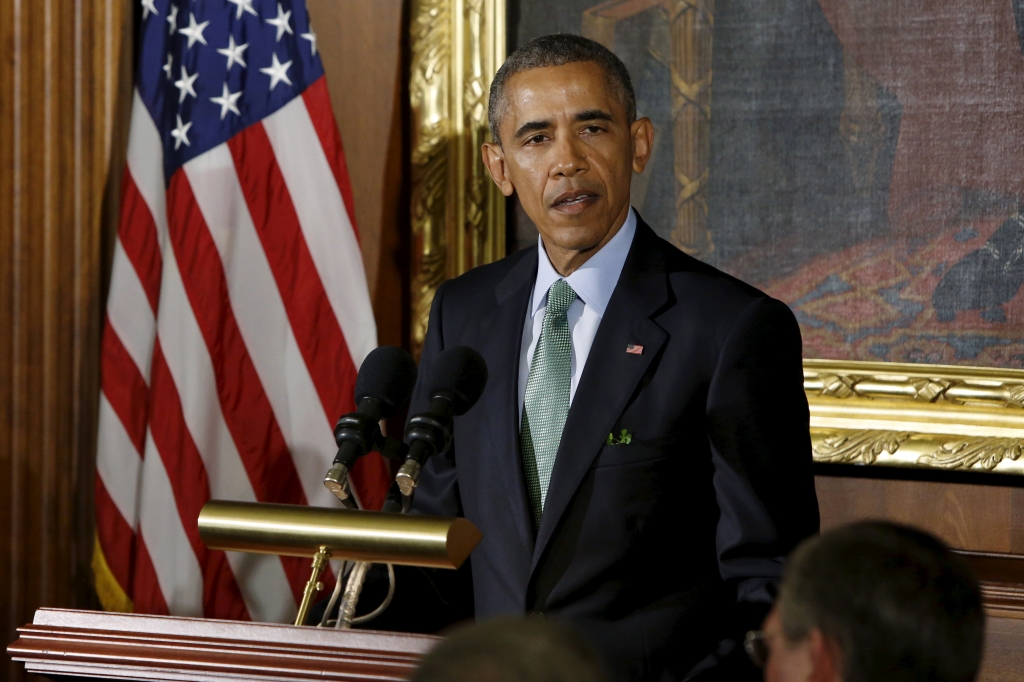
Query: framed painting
x=861, y=160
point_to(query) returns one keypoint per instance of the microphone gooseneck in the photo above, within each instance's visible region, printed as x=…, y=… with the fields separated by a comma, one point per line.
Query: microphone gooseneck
x=457, y=380
x=385, y=382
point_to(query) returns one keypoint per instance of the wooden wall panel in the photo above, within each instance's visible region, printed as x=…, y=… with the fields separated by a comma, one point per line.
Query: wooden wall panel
x=59, y=87
x=980, y=518
x=360, y=43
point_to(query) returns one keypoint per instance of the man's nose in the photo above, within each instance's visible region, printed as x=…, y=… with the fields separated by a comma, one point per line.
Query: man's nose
x=569, y=158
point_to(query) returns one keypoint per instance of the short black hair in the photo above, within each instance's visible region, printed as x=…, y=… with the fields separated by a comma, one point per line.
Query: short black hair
x=897, y=602
x=512, y=650
x=559, y=49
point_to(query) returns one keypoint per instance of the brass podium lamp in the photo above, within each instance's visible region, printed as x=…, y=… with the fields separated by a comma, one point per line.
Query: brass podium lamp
x=319, y=533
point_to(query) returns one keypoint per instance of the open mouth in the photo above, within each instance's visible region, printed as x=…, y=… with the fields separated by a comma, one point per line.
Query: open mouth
x=574, y=199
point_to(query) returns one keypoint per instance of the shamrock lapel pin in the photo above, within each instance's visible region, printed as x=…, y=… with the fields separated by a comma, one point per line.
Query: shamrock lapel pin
x=625, y=438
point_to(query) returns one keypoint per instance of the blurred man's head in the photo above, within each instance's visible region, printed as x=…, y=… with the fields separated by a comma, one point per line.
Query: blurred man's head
x=563, y=117
x=875, y=602
x=511, y=650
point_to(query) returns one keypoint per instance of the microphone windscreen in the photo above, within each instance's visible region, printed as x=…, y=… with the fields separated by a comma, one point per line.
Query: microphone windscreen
x=388, y=374
x=463, y=372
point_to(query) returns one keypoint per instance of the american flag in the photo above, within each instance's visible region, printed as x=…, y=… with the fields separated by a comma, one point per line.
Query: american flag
x=238, y=311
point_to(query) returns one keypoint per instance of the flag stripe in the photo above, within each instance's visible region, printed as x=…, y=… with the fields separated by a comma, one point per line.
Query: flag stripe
x=243, y=401
x=146, y=592
x=128, y=312
x=162, y=534
x=318, y=104
x=145, y=161
x=125, y=389
x=193, y=377
x=121, y=464
x=325, y=224
x=261, y=316
x=309, y=311
x=116, y=537
x=137, y=235
x=191, y=490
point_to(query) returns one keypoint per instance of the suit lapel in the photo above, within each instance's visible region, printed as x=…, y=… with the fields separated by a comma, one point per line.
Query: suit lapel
x=610, y=375
x=500, y=340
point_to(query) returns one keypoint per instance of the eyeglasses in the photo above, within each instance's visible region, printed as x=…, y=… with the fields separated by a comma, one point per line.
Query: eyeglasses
x=757, y=647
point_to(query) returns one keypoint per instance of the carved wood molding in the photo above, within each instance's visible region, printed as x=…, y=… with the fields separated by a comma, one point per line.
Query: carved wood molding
x=458, y=214
x=931, y=416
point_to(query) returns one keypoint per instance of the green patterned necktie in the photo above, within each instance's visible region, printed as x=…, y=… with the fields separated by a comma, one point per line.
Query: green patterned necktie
x=547, y=397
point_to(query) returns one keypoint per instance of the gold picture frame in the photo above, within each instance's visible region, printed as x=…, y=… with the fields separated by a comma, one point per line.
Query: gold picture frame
x=916, y=415
x=937, y=417
x=458, y=214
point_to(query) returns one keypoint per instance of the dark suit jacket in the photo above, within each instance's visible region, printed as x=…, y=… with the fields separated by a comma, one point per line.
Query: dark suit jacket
x=657, y=548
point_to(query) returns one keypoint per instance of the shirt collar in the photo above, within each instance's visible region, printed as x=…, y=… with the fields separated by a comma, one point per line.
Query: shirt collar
x=595, y=280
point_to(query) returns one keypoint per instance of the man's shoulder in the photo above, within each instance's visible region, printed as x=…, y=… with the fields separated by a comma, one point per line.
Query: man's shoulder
x=702, y=283
x=486, y=282
x=702, y=293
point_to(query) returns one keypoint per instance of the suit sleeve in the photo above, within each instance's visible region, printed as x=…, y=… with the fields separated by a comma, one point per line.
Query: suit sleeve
x=758, y=426
x=437, y=492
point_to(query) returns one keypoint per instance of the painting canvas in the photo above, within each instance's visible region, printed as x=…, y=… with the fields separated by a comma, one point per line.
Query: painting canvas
x=861, y=160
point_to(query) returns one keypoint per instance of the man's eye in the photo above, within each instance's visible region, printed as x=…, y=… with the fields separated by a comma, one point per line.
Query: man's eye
x=592, y=129
x=536, y=139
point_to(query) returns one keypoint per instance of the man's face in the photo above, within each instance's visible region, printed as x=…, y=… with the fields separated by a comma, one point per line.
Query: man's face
x=787, y=661
x=569, y=151
x=812, y=659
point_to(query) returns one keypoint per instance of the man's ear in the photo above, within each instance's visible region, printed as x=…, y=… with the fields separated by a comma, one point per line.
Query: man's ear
x=642, y=132
x=826, y=658
x=494, y=159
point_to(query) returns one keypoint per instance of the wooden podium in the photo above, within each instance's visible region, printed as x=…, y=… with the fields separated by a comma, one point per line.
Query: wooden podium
x=124, y=646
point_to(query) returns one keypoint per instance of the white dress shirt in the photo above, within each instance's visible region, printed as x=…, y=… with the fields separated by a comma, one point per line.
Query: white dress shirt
x=593, y=283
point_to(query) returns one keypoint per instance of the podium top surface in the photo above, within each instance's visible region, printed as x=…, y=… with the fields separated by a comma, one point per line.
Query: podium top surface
x=100, y=645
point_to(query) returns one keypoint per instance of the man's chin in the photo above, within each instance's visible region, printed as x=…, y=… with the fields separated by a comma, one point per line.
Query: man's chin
x=572, y=237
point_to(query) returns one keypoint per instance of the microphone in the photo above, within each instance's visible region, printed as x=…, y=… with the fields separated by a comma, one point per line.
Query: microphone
x=457, y=380
x=384, y=385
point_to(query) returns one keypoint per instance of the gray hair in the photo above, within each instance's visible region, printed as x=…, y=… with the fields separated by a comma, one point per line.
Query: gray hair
x=899, y=605
x=559, y=49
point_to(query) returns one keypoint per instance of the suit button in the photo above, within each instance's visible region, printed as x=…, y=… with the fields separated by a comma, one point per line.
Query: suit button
x=536, y=614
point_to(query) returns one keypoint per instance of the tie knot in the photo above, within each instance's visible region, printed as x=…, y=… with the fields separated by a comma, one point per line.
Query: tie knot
x=560, y=297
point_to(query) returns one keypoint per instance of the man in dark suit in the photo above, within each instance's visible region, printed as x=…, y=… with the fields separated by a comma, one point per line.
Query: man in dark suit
x=639, y=463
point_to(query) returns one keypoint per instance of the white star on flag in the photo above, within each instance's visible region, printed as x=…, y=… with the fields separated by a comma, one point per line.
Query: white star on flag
x=227, y=102
x=311, y=37
x=243, y=5
x=172, y=19
x=167, y=66
x=180, y=134
x=281, y=21
x=277, y=71
x=148, y=6
x=234, y=52
x=185, y=84
x=194, y=31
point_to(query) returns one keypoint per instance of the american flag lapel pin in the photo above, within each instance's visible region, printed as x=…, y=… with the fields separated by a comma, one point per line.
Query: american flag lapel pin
x=634, y=349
